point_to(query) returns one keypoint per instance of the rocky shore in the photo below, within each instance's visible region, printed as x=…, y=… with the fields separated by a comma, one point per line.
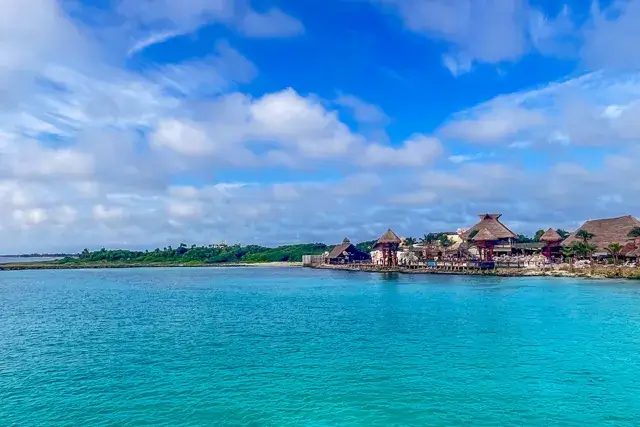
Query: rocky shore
x=599, y=272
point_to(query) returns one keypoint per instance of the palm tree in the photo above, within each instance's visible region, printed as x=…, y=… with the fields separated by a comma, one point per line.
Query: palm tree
x=410, y=241
x=569, y=253
x=584, y=250
x=614, y=250
x=444, y=241
x=585, y=235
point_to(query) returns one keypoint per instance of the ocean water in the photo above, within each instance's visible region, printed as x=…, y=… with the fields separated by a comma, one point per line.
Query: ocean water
x=297, y=347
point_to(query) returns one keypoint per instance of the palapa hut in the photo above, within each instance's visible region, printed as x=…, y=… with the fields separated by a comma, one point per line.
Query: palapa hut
x=485, y=242
x=345, y=253
x=606, y=231
x=551, y=240
x=388, y=245
x=633, y=255
x=503, y=237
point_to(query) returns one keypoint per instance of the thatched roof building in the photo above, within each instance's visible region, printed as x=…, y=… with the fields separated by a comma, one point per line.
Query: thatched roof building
x=484, y=235
x=491, y=223
x=388, y=238
x=551, y=236
x=606, y=231
x=346, y=251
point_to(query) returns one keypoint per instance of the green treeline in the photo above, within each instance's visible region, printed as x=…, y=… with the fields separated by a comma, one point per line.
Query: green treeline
x=212, y=254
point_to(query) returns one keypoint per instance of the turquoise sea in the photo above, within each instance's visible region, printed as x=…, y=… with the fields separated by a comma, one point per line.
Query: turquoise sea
x=297, y=347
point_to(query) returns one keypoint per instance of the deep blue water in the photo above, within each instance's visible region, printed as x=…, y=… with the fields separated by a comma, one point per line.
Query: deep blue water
x=294, y=347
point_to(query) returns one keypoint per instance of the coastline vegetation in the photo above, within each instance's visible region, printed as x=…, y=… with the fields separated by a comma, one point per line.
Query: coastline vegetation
x=212, y=254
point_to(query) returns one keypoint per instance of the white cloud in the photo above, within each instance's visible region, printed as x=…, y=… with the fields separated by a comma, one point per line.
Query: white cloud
x=363, y=112
x=183, y=138
x=417, y=151
x=273, y=23
x=498, y=31
x=593, y=109
x=494, y=125
x=108, y=213
x=29, y=217
x=157, y=22
x=491, y=31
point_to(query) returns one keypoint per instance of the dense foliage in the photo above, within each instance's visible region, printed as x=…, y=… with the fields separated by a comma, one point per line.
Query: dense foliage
x=212, y=254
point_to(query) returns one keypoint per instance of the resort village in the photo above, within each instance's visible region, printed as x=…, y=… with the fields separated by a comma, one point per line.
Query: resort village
x=490, y=244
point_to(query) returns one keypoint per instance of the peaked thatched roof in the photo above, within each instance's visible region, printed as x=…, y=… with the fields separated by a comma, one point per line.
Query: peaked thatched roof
x=551, y=235
x=345, y=246
x=484, y=235
x=492, y=224
x=389, y=237
x=606, y=231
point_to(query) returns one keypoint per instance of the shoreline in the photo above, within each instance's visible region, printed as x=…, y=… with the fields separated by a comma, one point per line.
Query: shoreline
x=587, y=273
x=627, y=273
x=52, y=265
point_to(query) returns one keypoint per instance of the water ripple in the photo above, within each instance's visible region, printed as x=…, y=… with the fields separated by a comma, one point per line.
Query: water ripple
x=280, y=347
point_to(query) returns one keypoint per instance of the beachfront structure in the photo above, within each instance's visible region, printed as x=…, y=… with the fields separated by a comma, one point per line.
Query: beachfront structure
x=385, y=250
x=605, y=231
x=551, y=240
x=485, y=243
x=345, y=253
x=503, y=237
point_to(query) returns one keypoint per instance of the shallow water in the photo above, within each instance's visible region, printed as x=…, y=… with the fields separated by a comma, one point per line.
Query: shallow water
x=298, y=347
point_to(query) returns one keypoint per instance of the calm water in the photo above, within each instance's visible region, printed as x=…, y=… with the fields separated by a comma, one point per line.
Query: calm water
x=293, y=347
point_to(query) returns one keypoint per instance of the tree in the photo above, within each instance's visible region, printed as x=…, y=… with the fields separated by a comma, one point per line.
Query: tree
x=568, y=253
x=444, y=241
x=538, y=235
x=583, y=249
x=634, y=233
x=410, y=241
x=585, y=235
x=614, y=250
x=563, y=233
x=524, y=239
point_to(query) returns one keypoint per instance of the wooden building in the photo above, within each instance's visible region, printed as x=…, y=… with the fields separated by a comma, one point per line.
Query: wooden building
x=345, y=253
x=503, y=237
x=485, y=242
x=388, y=245
x=606, y=231
x=551, y=240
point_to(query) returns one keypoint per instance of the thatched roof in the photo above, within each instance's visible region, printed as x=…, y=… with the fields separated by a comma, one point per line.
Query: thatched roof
x=633, y=254
x=484, y=235
x=338, y=250
x=345, y=246
x=606, y=231
x=628, y=248
x=551, y=235
x=389, y=237
x=491, y=223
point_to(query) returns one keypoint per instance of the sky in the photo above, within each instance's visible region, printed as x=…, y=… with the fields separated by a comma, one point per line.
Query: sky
x=146, y=123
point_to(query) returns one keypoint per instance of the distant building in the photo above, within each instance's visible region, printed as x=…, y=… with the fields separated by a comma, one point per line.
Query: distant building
x=490, y=236
x=345, y=253
x=385, y=250
x=606, y=231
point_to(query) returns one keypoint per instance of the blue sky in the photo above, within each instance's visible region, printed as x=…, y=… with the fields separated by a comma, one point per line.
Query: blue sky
x=130, y=123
